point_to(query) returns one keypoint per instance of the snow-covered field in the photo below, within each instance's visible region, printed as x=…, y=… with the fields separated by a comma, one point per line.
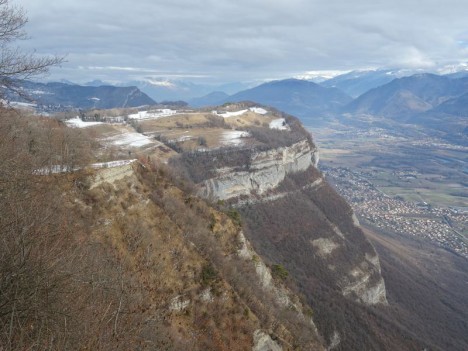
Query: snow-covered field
x=40, y=92
x=55, y=169
x=185, y=138
x=129, y=139
x=165, y=112
x=20, y=104
x=112, y=164
x=230, y=114
x=257, y=110
x=78, y=123
x=279, y=123
x=233, y=137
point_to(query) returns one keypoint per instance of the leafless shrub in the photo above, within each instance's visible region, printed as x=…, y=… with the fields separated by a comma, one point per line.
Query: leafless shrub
x=15, y=64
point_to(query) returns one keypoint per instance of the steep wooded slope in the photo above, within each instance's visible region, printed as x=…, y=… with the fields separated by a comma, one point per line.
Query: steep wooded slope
x=126, y=258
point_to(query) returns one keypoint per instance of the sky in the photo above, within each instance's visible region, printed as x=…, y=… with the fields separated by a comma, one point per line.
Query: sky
x=243, y=40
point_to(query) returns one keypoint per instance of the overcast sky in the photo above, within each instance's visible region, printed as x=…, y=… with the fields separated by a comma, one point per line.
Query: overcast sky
x=243, y=40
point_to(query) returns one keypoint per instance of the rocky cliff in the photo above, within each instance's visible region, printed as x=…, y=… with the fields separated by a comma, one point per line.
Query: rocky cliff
x=295, y=227
x=268, y=182
x=294, y=219
x=267, y=169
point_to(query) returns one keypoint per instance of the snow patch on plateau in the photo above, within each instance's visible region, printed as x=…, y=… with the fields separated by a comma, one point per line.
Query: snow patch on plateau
x=233, y=137
x=164, y=112
x=185, y=138
x=78, y=123
x=257, y=110
x=40, y=92
x=55, y=169
x=130, y=139
x=112, y=164
x=279, y=123
x=230, y=114
x=19, y=104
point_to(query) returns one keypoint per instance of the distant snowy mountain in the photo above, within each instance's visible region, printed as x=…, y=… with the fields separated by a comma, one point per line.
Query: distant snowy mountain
x=320, y=76
x=458, y=70
x=356, y=83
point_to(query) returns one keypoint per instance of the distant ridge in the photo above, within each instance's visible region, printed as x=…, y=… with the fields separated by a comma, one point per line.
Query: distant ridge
x=405, y=97
x=356, y=83
x=65, y=96
x=176, y=89
x=300, y=98
x=211, y=99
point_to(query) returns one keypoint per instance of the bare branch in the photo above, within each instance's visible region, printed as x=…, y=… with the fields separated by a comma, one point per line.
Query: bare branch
x=14, y=64
x=12, y=21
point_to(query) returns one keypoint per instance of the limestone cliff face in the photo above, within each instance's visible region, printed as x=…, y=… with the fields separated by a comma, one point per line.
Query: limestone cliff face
x=263, y=342
x=267, y=170
x=366, y=283
x=358, y=276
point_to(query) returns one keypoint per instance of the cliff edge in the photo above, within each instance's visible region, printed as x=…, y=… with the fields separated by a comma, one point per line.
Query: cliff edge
x=276, y=173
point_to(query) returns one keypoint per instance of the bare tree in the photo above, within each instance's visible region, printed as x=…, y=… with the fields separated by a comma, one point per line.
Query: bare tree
x=15, y=64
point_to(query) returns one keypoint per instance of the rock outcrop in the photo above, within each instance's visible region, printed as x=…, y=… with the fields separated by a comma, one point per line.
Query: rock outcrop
x=267, y=170
x=262, y=184
x=264, y=342
x=360, y=282
x=112, y=173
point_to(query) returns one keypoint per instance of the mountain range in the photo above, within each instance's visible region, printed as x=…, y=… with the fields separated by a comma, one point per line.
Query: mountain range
x=434, y=101
x=61, y=96
x=356, y=83
x=301, y=98
x=404, y=97
x=177, y=89
x=438, y=103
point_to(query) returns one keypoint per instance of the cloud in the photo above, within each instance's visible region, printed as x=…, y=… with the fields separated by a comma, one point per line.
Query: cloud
x=413, y=58
x=244, y=40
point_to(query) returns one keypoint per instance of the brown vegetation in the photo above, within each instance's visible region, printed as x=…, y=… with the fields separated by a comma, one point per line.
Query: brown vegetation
x=140, y=264
x=50, y=284
x=281, y=232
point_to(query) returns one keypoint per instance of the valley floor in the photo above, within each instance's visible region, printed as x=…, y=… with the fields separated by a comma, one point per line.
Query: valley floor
x=402, y=161
x=445, y=227
x=405, y=182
